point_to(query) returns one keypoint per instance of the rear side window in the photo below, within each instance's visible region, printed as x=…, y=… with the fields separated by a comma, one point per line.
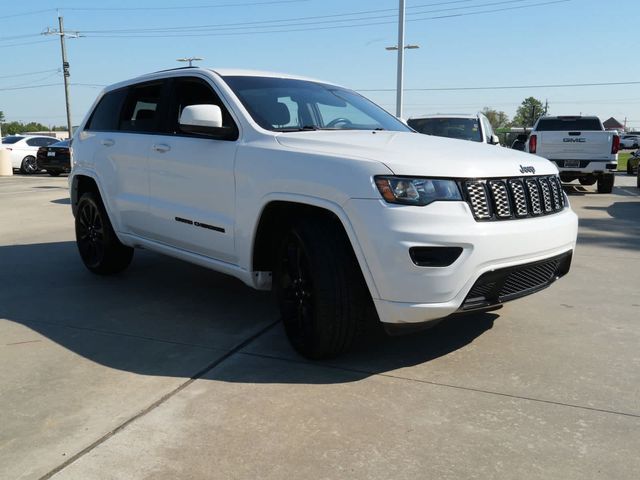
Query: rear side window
x=107, y=114
x=568, y=124
x=41, y=141
x=140, y=112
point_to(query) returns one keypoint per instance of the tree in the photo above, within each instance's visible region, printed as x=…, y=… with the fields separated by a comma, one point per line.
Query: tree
x=497, y=119
x=528, y=112
x=1, y=116
x=12, y=128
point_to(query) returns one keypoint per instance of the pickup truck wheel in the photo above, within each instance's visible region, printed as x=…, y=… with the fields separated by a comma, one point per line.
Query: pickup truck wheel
x=322, y=295
x=99, y=247
x=605, y=183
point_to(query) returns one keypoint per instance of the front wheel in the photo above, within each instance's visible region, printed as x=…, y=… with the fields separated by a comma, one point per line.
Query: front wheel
x=320, y=289
x=29, y=165
x=99, y=247
x=605, y=183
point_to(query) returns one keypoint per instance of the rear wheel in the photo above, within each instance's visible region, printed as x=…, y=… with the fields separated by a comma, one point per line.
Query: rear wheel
x=321, y=292
x=29, y=165
x=605, y=183
x=99, y=247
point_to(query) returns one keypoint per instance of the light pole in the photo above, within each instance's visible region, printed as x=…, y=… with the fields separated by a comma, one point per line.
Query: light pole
x=189, y=59
x=401, y=47
x=65, y=65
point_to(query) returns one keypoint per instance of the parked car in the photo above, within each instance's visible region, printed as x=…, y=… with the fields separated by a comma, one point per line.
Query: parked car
x=56, y=158
x=24, y=149
x=632, y=162
x=520, y=142
x=630, y=141
x=475, y=128
x=580, y=147
x=313, y=191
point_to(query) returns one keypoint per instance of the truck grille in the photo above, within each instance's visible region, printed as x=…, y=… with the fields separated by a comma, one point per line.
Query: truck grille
x=499, y=286
x=512, y=198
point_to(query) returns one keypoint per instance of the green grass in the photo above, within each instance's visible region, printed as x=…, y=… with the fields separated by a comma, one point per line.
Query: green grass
x=622, y=161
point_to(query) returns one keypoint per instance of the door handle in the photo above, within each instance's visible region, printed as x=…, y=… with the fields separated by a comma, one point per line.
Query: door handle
x=107, y=142
x=161, y=147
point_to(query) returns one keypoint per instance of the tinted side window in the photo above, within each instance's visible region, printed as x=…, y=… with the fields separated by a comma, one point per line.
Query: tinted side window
x=40, y=142
x=140, y=112
x=107, y=114
x=194, y=91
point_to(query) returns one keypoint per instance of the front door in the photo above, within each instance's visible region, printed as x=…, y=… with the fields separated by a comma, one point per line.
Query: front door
x=191, y=179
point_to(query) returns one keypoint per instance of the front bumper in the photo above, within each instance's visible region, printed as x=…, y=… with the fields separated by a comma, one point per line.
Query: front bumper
x=407, y=293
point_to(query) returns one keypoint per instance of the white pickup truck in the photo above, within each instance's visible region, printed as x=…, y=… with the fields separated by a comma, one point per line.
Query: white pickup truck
x=580, y=147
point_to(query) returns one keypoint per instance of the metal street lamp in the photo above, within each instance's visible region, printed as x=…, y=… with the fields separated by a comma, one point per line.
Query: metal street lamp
x=401, y=47
x=189, y=59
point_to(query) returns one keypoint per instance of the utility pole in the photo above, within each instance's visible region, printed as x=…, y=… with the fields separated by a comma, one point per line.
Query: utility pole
x=400, y=83
x=65, y=65
x=401, y=47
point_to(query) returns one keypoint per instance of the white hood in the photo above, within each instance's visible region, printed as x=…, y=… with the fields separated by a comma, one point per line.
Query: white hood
x=415, y=154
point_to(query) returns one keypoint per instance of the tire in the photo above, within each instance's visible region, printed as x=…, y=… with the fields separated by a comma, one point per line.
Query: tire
x=320, y=289
x=629, y=168
x=638, y=177
x=605, y=183
x=99, y=247
x=587, y=181
x=29, y=165
x=54, y=173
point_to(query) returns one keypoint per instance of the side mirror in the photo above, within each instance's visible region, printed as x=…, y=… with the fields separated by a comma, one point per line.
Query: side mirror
x=494, y=140
x=202, y=119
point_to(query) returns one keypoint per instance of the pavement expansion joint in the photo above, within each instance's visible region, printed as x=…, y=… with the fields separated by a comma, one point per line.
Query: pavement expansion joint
x=160, y=401
x=445, y=385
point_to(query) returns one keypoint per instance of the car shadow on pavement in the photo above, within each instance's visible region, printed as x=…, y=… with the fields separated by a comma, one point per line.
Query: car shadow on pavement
x=170, y=309
x=621, y=229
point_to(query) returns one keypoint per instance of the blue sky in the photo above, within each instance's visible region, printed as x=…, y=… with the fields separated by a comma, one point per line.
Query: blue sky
x=576, y=41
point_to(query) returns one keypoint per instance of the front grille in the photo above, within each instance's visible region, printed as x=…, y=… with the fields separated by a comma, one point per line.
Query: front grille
x=504, y=199
x=499, y=286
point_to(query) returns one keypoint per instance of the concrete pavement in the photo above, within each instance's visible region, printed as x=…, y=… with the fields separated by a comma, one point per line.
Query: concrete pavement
x=171, y=371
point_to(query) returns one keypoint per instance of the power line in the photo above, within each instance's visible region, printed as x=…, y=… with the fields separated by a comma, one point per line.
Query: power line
x=333, y=27
x=92, y=85
x=182, y=7
x=30, y=73
x=26, y=43
x=32, y=12
x=504, y=87
x=262, y=22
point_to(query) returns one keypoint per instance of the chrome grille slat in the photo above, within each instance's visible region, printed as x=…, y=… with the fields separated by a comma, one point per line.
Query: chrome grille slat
x=514, y=198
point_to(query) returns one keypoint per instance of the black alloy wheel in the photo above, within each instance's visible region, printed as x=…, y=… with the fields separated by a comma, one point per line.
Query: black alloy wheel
x=29, y=165
x=99, y=247
x=296, y=285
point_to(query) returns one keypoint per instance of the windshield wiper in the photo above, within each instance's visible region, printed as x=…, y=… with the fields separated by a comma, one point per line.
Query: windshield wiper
x=304, y=128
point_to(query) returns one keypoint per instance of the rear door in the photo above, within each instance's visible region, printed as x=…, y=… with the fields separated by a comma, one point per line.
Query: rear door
x=120, y=133
x=191, y=178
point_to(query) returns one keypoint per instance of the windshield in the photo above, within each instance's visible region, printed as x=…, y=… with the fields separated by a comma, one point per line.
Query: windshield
x=289, y=105
x=10, y=140
x=450, y=127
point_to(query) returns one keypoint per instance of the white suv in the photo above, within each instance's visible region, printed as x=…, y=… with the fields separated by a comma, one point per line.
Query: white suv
x=312, y=190
x=461, y=126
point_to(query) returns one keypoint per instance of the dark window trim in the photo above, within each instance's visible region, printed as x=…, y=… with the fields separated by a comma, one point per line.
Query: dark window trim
x=171, y=94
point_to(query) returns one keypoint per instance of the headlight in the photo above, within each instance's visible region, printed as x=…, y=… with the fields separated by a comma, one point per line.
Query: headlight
x=417, y=191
